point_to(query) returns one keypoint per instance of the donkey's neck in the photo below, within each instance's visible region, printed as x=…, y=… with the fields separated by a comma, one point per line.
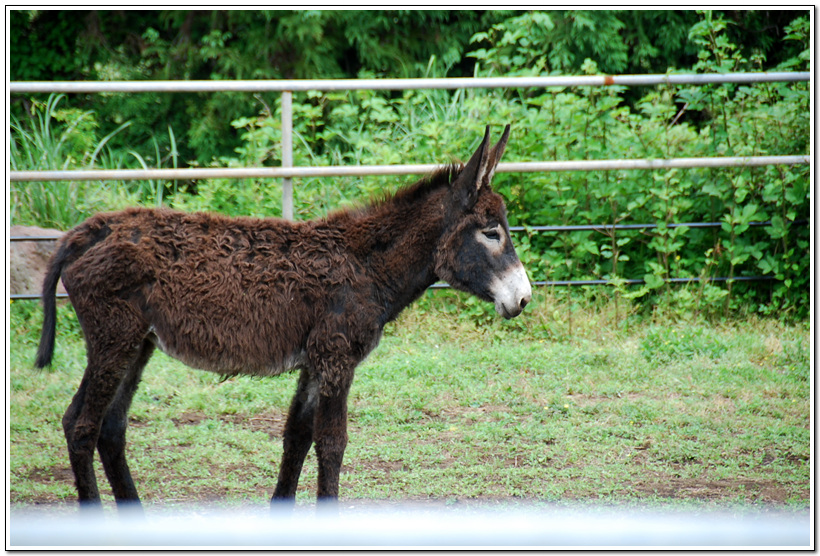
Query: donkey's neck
x=396, y=242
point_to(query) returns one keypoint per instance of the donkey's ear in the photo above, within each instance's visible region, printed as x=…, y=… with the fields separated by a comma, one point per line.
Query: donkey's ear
x=468, y=183
x=496, y=152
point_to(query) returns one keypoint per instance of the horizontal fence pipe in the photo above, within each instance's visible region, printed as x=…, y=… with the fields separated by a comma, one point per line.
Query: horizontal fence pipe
x=652, y=164
x=568, y=228
x=399, y=169
x=638, y=281
x=301, y=85
x=547, y=283
x=610, y=227
x=213, y=173
x=632, y=282
x=35, y=238
x=31, y=296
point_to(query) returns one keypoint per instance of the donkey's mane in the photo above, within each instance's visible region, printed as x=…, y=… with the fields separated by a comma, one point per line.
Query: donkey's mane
x=440, y=177
x=407, y=194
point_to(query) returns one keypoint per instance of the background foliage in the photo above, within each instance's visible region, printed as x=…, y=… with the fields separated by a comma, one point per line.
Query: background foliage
x=364, y=127
x=263, y=44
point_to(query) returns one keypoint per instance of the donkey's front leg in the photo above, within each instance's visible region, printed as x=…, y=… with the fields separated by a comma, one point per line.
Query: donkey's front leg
x=334, y=350
x=298, y=436
x=330, y=436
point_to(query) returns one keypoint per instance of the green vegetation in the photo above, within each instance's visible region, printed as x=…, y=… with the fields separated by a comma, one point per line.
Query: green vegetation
x=445, y=409
x=308, y=44
x=366, y=127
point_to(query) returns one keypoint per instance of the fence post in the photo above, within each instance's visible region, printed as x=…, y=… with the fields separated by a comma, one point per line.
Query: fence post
x=287, y=153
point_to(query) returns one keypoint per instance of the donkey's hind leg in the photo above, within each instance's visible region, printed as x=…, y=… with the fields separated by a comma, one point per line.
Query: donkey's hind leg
x=84, y=478
x=298, y=437
x=110, y=357
x=111, y=442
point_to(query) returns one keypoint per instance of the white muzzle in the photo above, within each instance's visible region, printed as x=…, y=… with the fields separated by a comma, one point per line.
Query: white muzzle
x=511, y=291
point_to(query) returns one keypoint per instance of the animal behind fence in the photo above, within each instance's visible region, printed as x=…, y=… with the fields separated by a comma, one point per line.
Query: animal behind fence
x=265, y=296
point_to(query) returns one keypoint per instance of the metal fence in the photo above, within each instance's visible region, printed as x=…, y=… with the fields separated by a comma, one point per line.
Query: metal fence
x=287, y=171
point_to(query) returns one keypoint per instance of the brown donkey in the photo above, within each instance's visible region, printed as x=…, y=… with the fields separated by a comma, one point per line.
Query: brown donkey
x=264, y=296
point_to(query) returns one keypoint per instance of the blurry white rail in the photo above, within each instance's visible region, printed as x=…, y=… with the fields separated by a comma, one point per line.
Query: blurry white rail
x=300, y=85
x=400, y=169
x=415, y=527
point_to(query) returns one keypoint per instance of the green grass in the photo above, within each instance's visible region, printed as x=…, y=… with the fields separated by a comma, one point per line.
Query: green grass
x=446, y=409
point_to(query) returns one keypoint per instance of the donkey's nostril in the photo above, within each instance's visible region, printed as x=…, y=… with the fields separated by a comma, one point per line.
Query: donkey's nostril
x=524, y=301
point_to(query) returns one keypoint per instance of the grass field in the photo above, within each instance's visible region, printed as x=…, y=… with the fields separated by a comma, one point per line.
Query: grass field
x=444, y=410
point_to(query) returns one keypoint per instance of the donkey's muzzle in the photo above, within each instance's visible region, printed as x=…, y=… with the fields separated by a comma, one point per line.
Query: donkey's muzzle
x=511, y=292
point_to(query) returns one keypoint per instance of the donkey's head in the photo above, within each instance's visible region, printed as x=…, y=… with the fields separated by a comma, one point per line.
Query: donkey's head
x=475, y=253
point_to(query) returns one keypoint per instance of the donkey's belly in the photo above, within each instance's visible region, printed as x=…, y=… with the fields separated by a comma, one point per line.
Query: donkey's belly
x=227, y=363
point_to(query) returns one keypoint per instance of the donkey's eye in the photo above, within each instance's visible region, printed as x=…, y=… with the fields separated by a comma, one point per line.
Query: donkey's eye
x=492, y=234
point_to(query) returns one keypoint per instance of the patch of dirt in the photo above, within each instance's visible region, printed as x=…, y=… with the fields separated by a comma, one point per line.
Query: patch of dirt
x=471, y=414
x=437, y=504
x=51, y=475
x=271, y=422
x=378, y=465
x=189, y=419
x=584, y=400
x=765, y=491
x=137, y=421
x=46, y=476
x=215, y=494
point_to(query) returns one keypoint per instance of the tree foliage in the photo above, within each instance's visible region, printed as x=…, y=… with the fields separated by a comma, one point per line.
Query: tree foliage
x=275, y=44
x=215, y=44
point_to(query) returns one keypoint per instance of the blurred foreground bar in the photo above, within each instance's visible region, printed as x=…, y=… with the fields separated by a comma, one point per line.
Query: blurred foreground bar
x=413, y=526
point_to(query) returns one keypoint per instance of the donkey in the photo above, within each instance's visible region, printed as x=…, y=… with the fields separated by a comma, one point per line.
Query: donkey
x=265, y=296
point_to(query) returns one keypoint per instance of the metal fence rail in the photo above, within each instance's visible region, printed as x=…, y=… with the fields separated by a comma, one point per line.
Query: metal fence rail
x=400, y=169
x=287, y=172
x=559, y=228
x=302, y=85
x=539, y=283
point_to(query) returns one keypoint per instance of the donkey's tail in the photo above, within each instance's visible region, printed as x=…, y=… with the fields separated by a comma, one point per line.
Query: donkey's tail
x=73, y=243
x=55, y=268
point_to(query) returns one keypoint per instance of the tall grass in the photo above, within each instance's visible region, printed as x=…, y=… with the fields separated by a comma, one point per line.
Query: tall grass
x=55, y=138
x=36, y=147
